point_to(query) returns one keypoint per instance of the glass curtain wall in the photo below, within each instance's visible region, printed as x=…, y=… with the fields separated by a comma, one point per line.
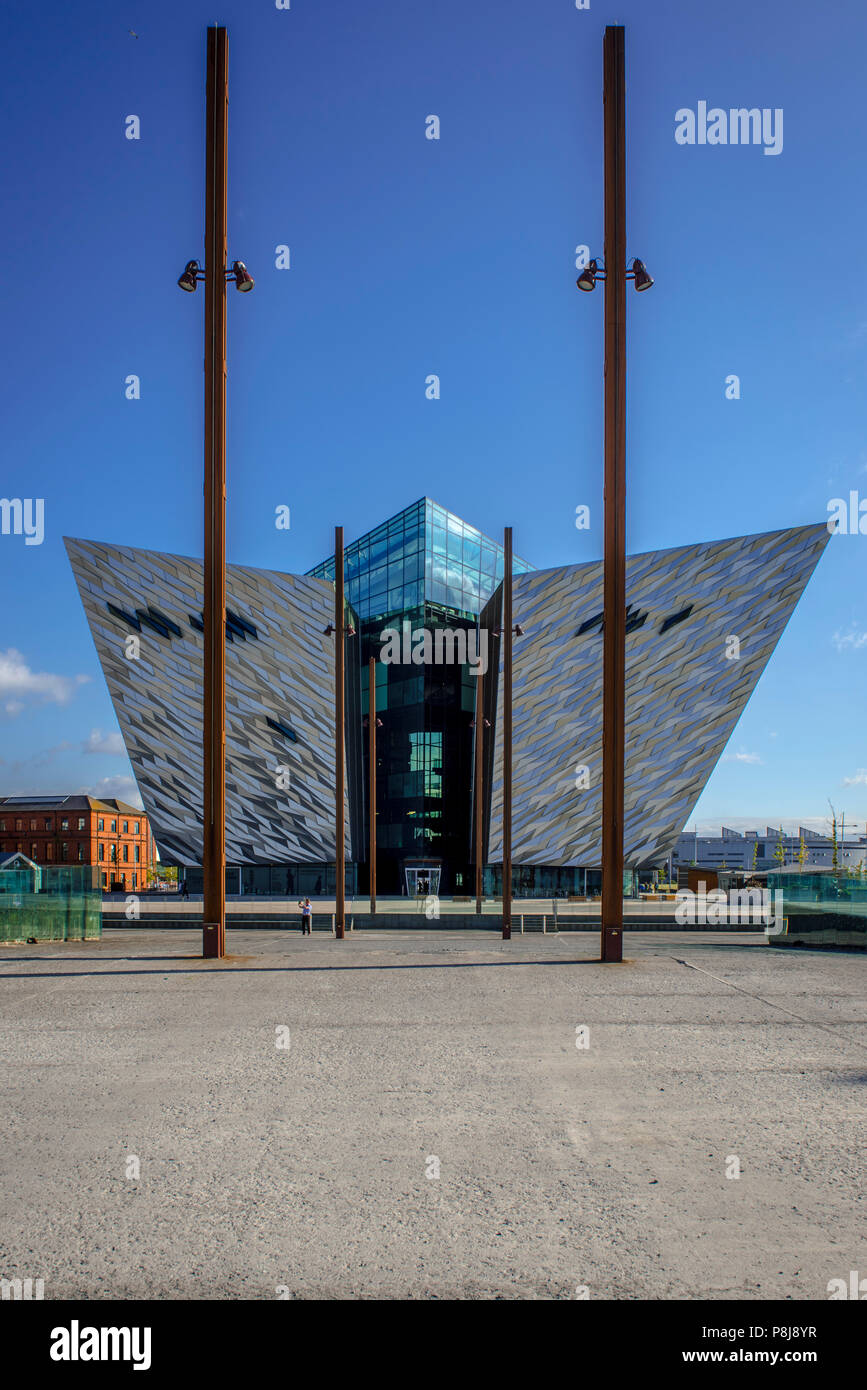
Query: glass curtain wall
x=429, y=569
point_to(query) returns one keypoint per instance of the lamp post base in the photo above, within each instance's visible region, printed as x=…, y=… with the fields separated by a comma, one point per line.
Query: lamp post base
x=612, y=944
x=213, y=940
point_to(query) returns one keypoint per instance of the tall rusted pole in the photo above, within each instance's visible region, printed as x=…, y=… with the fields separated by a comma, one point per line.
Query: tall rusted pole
x=339, y=654
x=507, y=733
x=371, y=799
x=614, y=548
x=478, y=806
x=214, y=694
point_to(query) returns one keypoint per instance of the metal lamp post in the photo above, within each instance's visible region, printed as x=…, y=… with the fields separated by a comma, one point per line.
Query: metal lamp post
x=615, y=276
x=215, y=275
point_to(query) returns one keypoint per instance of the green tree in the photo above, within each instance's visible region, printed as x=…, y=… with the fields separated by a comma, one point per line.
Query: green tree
x=755, y=855
x=802, y=854
x=835, y=860
x=780, y=849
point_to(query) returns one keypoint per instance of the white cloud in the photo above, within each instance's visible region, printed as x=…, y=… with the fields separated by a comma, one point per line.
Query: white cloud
x=18, y=684
x=98, y=742
x=123, y=788
x=849, y=641
x=741, y=758
x=859, y=780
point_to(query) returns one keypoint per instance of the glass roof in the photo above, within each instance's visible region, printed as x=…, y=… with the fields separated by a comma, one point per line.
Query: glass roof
x=424, y=554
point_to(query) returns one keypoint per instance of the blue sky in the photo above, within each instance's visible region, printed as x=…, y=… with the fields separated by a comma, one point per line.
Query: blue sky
x=409, y=257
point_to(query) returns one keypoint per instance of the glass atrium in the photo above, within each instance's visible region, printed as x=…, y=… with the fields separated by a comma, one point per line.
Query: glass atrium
x=428, y=567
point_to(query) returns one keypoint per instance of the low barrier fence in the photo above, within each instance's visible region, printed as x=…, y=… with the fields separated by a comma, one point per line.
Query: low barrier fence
x=50, y=904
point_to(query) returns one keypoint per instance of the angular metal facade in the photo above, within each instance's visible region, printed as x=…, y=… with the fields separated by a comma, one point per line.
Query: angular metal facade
x=688, y=682
x=280, y=666
x=687, y=685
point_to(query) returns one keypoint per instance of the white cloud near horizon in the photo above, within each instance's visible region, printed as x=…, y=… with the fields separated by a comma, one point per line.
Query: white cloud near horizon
x=121, y=788
x=19, y=685
x=98, y=742
x=741, y=758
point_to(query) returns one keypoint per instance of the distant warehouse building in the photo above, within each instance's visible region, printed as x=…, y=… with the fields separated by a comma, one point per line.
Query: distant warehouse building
x=761, y=850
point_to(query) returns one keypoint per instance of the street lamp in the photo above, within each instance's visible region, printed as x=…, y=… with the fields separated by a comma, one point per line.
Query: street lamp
x=214, y=570
x=372, y=722
x=586, y=280
x=614, y=547
x=593, y=271
x=193, y=273
x=339, y=629
x=244, y=281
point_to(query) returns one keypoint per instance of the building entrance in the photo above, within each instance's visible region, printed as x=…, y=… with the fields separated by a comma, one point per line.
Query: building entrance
x=422, y=882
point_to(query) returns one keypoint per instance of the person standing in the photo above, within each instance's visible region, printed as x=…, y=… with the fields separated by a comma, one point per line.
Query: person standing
x=306, y=916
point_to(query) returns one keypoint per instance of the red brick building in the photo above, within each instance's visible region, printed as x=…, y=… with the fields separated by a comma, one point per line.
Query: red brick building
x=56, y=830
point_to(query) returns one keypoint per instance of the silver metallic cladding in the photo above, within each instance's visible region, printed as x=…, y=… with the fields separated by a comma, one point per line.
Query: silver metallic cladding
x=684, y=696
x=287, y=674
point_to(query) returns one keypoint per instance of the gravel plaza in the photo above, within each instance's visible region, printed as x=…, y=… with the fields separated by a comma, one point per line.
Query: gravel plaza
x=432, y=1114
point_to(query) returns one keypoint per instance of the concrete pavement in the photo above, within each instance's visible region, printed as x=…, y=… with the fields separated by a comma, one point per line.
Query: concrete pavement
x=408, y=1116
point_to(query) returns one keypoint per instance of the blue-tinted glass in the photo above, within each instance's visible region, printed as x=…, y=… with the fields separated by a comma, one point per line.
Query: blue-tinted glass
x=454, y=597
x=437, y=592
x=395, y=599
x=411, y=594
x=472, y=552
x=488, y=558
x=471, y=585
x=438, y=544
x=377, y=553
x=454, y=547
x=378, y=583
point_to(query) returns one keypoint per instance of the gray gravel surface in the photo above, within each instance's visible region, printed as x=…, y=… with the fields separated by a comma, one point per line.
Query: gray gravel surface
x=304, y=1169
